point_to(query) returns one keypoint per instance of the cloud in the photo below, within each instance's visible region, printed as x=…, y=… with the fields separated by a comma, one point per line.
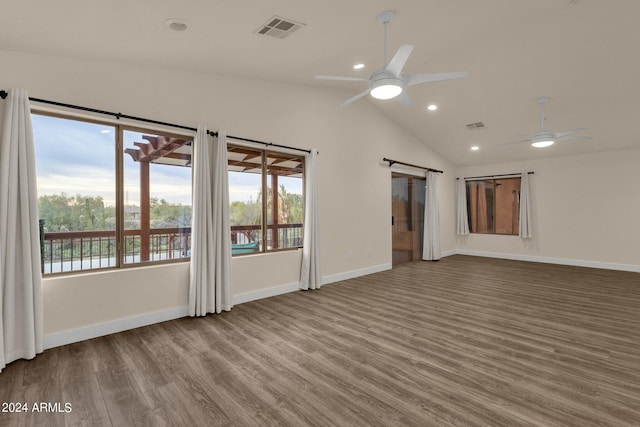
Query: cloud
x=61, y=145
x=77, y=183
x=77, y=157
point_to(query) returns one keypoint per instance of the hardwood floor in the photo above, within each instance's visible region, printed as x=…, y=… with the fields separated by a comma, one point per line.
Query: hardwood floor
x=463, y=341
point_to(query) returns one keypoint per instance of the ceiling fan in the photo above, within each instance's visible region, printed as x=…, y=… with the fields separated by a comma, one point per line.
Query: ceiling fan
x=544, y=137
x=389, y=81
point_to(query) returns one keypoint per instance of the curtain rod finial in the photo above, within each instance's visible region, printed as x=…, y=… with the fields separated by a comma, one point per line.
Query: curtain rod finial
x=3, y=94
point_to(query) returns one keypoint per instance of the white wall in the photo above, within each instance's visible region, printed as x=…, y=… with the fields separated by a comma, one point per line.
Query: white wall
x=586, y=211
x=355, y=187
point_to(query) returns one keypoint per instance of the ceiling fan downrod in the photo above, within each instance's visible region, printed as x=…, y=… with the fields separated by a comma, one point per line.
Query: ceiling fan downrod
x=542, y=100
x=384, y=18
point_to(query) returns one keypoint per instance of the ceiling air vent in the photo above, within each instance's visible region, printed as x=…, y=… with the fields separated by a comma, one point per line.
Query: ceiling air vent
x=278, y=27
x=476, y=125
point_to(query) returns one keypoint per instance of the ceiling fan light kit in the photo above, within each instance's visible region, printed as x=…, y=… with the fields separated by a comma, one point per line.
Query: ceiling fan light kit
x=546, y=138
x=543, y=144
x=386, y=89
x=389, y=81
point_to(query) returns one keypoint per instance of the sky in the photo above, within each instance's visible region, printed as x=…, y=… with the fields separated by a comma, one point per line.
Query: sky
x=78, y=158
x=74, y=157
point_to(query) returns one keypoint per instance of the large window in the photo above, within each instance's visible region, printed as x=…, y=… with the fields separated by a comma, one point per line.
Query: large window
x=157, y=196
x=266, y=200
x=110, y=195
x=76, y=164
x=494, y=206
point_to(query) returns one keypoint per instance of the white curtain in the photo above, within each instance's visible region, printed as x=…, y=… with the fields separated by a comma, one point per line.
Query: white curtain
x=431, y=246
x=462, y=218
x=526, y=227
x=210, y=284
x=310, y=274
x=21, y=324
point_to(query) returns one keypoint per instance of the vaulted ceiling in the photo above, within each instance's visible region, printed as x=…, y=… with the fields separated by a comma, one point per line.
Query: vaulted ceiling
x=582, y=54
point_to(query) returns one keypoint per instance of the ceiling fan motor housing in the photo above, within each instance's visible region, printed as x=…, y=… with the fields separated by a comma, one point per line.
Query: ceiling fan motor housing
x=543, y=135
x=381, y=77
x=543, y=139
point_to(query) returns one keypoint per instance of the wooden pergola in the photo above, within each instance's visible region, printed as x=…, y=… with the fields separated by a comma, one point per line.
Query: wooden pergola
x=162, y=150
x=177, y=152
x=247, y=160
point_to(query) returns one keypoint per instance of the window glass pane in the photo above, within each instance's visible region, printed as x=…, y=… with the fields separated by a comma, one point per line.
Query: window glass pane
x=75, y=163
x=407, y=217
x=245, y=199
x=157, y=197
x=480, y=197
x=493, y=205
x=507, y=205
x=285, y=204
x=418, y=187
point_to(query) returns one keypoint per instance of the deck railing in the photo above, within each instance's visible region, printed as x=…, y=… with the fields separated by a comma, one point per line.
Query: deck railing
x=87, y=250
x=286, y=235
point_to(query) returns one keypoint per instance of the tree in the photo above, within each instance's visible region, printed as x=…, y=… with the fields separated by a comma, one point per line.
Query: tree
x=245, y=213
x=294, y=206
x=86, y=213
x=63, y=213
x=168, y=215
x=290, y=206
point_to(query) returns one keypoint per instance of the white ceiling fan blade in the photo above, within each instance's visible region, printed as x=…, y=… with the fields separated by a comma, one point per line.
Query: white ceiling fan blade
x=568, y=132
x=355, y=98
x=405, y=99
x=415, y=79
x=350, y=79
x=399, y=59
x=522, y=141
x=568, y=137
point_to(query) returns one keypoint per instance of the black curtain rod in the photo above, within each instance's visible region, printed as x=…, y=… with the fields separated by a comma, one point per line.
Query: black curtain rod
x=494, y=176
x=118, y=116
x=393, y=162
x=268, y=144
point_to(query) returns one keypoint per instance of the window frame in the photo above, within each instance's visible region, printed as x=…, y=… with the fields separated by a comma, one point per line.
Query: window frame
x=119, y=154
x=494, y=205
x=264, y=224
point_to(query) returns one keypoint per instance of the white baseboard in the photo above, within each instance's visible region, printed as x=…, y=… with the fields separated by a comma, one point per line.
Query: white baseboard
x=355, y=273
x=100, y=329
x=265, y=293
x=293, y=287
x=119, y=325
x=448, y=253
x=549, y=260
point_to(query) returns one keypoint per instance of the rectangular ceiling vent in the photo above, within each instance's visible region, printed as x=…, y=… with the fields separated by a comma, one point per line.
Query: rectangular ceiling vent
x=476, y=125
x=279, y=27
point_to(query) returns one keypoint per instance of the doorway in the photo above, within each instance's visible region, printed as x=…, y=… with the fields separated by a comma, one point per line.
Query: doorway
x=407, y=217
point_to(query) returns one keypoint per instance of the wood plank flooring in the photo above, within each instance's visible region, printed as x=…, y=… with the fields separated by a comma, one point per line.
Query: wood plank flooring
x=464, y=341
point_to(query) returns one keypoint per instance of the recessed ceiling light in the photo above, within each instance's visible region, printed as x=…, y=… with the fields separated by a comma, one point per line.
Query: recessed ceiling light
x=358, y=66
x=475, y=148
x=176, y=24
x=432, y=107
